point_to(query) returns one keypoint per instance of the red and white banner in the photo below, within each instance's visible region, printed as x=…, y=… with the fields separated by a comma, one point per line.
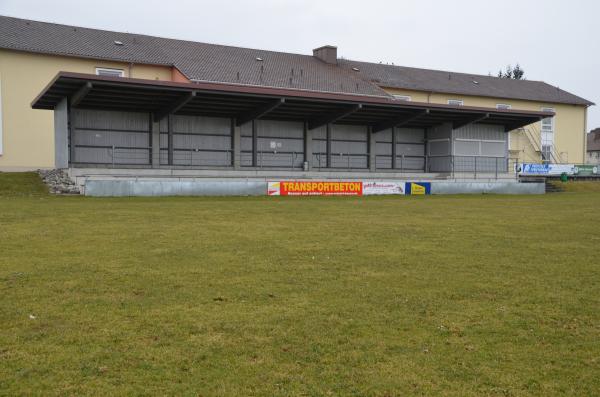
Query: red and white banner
x=333, y=188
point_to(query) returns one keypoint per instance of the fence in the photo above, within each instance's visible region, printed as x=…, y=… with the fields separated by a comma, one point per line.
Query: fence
x=475, y=165
x=478, y=166
x=272, y=159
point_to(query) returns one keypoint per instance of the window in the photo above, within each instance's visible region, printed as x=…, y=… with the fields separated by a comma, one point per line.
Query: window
x=546, y=153
x=503, y=106
x=548, y=122
x=456, y=102
x=110, y=72
x=402, y=98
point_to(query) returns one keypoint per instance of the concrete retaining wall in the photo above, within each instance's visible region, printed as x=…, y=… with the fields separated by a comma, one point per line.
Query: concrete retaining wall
x=256, y=187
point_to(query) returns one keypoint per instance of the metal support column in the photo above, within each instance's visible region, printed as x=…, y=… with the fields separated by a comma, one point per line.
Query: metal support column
x=236, y=140
x=394, y=148
x=328, y=147
x=170, y=145
x=254, y=143
x=72, y=121
x=154, y=142
x=371, y=147
x=426, y=150
x=308, y=154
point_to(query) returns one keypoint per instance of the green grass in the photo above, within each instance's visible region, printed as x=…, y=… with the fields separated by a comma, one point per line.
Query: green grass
x=578, y=186
x=21, y=184
x=383, y=296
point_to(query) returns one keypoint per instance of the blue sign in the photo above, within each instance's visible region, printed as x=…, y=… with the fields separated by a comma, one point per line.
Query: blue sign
x=418, y=188
x=535, y=169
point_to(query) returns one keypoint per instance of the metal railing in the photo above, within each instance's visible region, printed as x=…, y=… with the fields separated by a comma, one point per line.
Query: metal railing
x=534, y=136
x=272, y=159
x=402, y=163
x=342, y=161
x=475, y=166
x=197, y=157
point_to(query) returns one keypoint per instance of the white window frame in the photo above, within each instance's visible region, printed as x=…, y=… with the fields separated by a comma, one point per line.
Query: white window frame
x=548, y=118
x=547, y=135
x=503, y=106
x=406, y=98
x=456, y=102
x=112, y=70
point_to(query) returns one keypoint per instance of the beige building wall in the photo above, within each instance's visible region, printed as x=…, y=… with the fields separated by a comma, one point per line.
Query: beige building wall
x=28, y=134
x=569, y=123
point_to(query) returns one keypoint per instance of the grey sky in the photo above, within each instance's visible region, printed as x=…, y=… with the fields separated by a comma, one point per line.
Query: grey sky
x=554, y=41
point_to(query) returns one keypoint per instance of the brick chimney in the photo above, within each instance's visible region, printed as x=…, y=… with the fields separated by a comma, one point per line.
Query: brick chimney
x=327, y=54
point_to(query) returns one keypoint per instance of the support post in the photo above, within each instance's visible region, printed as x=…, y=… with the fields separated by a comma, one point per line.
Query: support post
x=155, y=142
x=236, y=139
x=394, y=148
x=61, y=134
x=308, y=154
x=328, y=147
x=371, y=147
x=254, y=143
x=426, y=150
x=72, y=126
x=170, y=132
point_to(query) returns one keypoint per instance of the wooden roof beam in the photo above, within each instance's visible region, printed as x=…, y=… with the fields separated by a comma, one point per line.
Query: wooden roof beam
x=80, y=95
x=469, y=121
x=175, y=106
x=332, y=117
x=399, y=121
x=259, y=111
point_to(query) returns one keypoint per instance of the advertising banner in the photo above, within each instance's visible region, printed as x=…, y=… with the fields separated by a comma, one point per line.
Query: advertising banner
x=547, y=169
x=377, y=188
x=418, y=188
x=334, y=188
x=586, y=170
x=315, y=188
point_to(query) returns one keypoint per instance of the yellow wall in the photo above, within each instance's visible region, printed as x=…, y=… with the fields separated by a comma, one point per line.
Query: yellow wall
x=28, y=134
x=569, y=123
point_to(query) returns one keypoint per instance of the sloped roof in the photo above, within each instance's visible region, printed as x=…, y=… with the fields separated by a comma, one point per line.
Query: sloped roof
x=460, y=83
x=593, y=140
x=210, y=62
x=235, y=65
x=198, y=61
x=51, y=38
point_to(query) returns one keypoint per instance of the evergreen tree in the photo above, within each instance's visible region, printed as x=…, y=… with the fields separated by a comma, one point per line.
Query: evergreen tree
x=516, y=73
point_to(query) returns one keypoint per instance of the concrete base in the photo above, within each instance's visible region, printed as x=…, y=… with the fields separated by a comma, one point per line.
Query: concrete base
x=120, y=187
x=105, y=182
x=477, y=187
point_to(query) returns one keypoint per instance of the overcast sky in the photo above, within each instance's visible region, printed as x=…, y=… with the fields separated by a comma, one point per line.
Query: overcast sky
x=557, y=41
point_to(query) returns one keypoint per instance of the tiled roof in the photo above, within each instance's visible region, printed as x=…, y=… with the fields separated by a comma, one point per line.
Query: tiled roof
x=218, y=63
x=209, y=62
x=460, y=83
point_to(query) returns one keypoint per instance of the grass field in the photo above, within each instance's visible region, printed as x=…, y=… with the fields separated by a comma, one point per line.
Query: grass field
x=383, y=296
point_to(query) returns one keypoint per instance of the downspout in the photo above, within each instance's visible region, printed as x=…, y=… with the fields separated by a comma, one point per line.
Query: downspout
x=130, y=70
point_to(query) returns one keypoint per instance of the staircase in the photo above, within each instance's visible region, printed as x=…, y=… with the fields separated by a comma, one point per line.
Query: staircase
x=534, y=136
x=553, y=186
